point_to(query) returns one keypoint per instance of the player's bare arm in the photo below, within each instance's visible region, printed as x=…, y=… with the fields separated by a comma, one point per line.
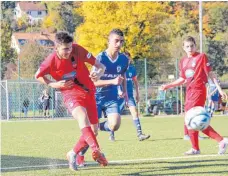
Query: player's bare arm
x=175, y=83
x=56, y=85
x=125, y=88
x=213, y=77
x=116, y=81
x=100, y=69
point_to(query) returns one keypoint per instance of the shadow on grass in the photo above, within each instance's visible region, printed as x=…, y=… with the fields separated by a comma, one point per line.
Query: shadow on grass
x=22, y=163
x=179, y=169
x=11, y=163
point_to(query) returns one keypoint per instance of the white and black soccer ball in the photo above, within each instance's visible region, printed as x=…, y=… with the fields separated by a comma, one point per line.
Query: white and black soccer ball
x=197, y=118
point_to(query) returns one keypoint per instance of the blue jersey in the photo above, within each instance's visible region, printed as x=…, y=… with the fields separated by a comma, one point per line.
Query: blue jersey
x=113, y=69
x=131, y=73
x=212, y=88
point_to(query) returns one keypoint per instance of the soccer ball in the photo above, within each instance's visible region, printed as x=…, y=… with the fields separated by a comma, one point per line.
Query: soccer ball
x=197, y=118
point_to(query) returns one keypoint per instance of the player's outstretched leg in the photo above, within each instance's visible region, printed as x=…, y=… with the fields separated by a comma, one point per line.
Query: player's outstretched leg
x=223, y=142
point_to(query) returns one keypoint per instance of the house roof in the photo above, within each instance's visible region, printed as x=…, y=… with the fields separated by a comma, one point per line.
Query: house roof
x=32, y=6
x=33, y=37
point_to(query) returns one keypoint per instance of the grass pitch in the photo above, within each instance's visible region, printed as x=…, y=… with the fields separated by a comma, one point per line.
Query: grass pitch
x=32, y=148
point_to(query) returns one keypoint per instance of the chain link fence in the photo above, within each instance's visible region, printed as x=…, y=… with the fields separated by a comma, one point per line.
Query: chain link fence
x=23, y=99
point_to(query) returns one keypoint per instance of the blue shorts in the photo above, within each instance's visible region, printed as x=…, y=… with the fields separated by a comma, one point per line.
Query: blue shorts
x=215, y=97
x=131, y=102
x=107, y=107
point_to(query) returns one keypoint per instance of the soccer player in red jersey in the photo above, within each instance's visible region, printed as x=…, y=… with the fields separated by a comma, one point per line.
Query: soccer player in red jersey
x=67, y=66
x=195, y=70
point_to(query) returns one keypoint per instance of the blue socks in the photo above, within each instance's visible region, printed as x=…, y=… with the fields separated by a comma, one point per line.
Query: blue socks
x=104, y=126
x=138, y=126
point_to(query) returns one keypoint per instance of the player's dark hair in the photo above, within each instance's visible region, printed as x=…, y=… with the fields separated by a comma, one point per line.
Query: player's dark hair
x=63, y=37
x=189, y=39
x=117, y=32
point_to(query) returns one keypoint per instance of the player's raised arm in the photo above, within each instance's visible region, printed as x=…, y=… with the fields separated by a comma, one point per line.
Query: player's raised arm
x=175, y=83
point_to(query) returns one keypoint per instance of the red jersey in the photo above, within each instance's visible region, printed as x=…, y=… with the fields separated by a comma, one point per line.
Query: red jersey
x=69, y=69
x=195, y=70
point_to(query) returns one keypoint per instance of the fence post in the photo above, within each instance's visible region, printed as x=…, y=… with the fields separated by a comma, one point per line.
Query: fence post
x=7, y=101
x=52, y=100
x=33, y=97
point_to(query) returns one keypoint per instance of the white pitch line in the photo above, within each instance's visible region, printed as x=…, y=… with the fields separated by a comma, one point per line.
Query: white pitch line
x=118, y=161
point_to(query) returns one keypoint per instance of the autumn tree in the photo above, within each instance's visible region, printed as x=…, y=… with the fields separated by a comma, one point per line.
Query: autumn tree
x=31, y=56
x=62, y=16
x=8, y=54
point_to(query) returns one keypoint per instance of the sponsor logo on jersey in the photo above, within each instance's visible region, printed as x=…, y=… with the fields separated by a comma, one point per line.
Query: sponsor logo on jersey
x=110, y=75
x=189, y=73
x=69, y=76
x=118, y=69
x=89, y=55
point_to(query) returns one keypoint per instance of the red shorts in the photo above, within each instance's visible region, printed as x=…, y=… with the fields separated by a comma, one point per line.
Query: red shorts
x=195, y=97
x=86, y=100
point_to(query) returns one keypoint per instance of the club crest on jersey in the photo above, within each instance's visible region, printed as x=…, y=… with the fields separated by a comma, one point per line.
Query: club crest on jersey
x=118, y=69
x=130, y=74
x=89, y=55
x=189, y=73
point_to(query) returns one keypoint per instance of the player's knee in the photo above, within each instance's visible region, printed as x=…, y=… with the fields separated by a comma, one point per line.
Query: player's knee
x=114, y=127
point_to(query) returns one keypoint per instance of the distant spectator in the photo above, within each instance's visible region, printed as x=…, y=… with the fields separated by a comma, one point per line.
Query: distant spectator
x=25, y=107
x=46, y=102
x=40, y=104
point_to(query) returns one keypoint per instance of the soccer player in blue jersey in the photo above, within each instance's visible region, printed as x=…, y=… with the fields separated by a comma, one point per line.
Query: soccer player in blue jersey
x=116, y=64
x=132, y=81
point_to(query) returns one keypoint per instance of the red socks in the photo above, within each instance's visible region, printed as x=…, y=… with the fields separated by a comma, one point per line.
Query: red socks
x=194, y=138
x=212, y=134
x=87, y=138
x=209, y=132
x=80, y=145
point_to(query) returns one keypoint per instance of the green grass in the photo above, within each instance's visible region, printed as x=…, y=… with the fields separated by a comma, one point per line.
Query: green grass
x=40, y=143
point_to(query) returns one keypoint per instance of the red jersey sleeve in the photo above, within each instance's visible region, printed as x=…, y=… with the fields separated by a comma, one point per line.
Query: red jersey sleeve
x=45, y=67
x=85, y=56
x=181, y=70
x=206, y=65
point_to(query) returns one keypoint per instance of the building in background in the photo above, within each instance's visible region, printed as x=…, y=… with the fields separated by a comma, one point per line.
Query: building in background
x=19, y=39
x=35, y=11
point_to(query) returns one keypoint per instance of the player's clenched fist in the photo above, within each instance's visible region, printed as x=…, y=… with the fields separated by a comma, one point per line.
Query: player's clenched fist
x=118, y=80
